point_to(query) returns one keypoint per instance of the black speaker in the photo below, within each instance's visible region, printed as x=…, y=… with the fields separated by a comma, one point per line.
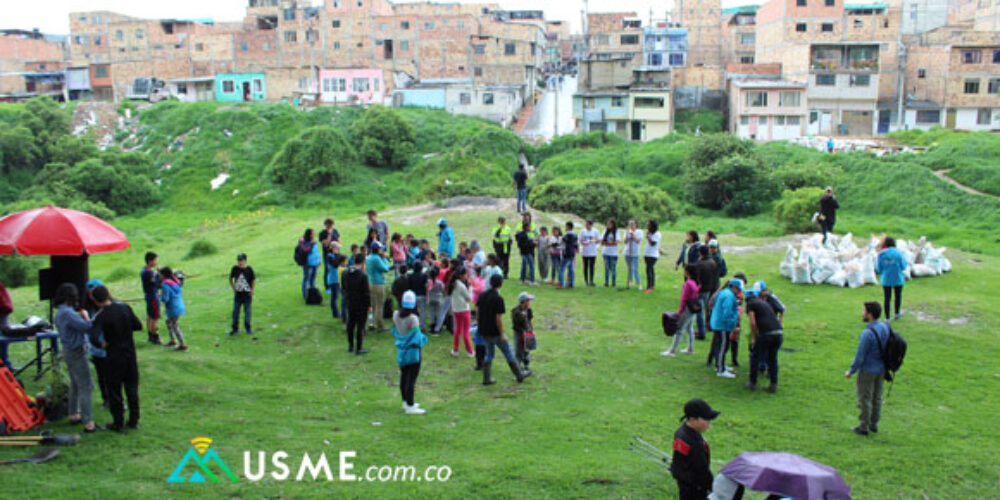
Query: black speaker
x=61, y=270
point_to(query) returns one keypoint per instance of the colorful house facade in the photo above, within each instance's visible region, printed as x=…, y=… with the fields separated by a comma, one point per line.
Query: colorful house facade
x=240, y=87
x=352, y=86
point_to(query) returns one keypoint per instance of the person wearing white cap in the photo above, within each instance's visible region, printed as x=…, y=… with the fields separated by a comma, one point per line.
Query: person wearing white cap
x=725, y=318
x=409, y=341
x=521, y=317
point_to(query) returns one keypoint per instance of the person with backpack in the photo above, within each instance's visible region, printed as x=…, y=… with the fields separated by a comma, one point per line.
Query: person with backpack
x=570, y=247
x=652, y=253
x=689, y=250
x=890, y=266
x=357, y=293
x=766, y=336
x=521, y=321
x=243, y=281
x=609, y=244
x=716, y=255
x=724, y=320
x=490, y=310
x=376, y=265
x=632, y=252
x=870, y=367
x=708, y=283
x=526, y=246
x=501, y=245
x=689, y=307
x=173, y=303
x=307, y=255
x=589, y=239
x=446, y=239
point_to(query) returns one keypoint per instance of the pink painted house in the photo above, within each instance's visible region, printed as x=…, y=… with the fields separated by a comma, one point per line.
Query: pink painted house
x=767, y=110
x=352, y=86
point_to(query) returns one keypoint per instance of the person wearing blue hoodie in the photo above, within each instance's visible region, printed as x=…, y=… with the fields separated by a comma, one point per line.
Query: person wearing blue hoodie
x=725, y=318
x=446, y=240
x=890, y=266
x=173, y=302
x=309, y=247
x=409, y=341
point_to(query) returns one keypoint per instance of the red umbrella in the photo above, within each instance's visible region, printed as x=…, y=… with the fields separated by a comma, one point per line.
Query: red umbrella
x=58, y=231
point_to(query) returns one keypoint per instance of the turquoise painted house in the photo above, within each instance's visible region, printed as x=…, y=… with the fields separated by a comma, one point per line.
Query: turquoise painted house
x=238, y=87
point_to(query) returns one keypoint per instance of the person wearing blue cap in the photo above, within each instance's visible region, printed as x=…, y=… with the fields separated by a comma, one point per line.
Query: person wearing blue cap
x=446, y=239
x=725, y=318
x=377, y=265
x=409, y=341
x=766, y=336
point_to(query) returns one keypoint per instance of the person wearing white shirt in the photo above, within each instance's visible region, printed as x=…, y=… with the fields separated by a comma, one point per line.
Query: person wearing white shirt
x=633, y=245
x=652, y=253
x=610, y=244
x=589, y=238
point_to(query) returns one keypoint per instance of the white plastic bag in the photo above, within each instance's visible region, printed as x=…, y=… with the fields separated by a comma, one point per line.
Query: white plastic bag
x=838, y=278
x=788, y=262
x=801, y=272
x=923, y=271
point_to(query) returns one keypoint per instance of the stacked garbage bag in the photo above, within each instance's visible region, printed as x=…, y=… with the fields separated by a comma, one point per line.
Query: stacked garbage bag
x=840, y=261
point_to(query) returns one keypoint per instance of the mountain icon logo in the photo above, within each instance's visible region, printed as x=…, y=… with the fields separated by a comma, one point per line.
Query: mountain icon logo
x=202, y=455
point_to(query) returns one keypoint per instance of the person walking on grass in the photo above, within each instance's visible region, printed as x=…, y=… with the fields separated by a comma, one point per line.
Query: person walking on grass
x=521, y=321
x=173, y=303
x=570, y=247
x=708, y=283
x=73, y=324
x=526, y=247
x=117, y=323
x=501, y=245
x=766, y=336
x=409, y=341
x=151, y=281
x=589, y=239
x=555, y=247
x=327, y=237
x=446, y=239
x=828, y=207
x=652, y=253
x=609, y=243
x=890, y=266
x=490, y=311
x=310, y=250
x=632, y=252
x=521, y=187
x=870, y=369
x=689, y=250
x=544, y=259
x=461, y=297
x=357, y=294
x=692, y=460
x=690, y=306
x=243, y=281
x=376, y=265
x=724, y=320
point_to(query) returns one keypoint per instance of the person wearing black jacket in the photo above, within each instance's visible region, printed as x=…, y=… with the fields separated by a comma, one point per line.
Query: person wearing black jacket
x=117, y=322
x=708, y=283
x=526, y=245
x=691, y=463
x=358, y=295
x=418, y=284
x=828, y=207
x=400, y=285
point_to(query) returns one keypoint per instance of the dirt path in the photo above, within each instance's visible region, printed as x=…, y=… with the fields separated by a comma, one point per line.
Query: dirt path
x=943, y=175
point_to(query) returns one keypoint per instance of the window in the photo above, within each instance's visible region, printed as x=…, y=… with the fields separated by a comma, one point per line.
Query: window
x=972, y=86
x=81, y=40
x=756, y=99
x=312, y=35
x=983, y=116
x=779, y=120
x=746, y=59
x=258, y=85
x=477, y=71
x=993, y=86
x=288, y=14
x=589, y=103
x=800, y=27
x=629, y=39
x=793, y=120
x=972, y=56
x=800, y=3
x=929, y=116
x=336, y=24
x=488, y=98
x=244, y=47
x=404, y=25
x=789, y=99
x=509, y=49
x=404, y=45
x=830, y=3
x=858, y=23
x=291, y=36
x=383, y=26
x=360, y=3
x=826, y=27
x=996, y=57
x=198, y=47
x=649, y=102
x=100, y=71
x=617, y=102
x=762, y=120
x=360, y=84
x=677, y=59
x=460, y=25
x=336, y=45
x=120, y=35
x=328, y=85
x=228, y=87
x=139, y=34
x=265, y=46
x=747, y=38
x=97, y=40
x=826, y=80
x=921, y=73
x=340, y=84
x=428, y=25
x=465, y=98
x=744, y=120
x=479, y=48
x=861, y=80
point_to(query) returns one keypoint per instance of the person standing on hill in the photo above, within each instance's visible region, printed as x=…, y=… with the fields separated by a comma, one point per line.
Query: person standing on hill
x=609, y=243
x=243, y=281
x=521, y=187
x=589, y=238
x=652, y=253
x=377, y=265
x=117, y=322
x=172, y=297
x=151, y=281
x=828, y=207
x=890, y=266
x=357, y=292
x=502, y=244
x=327, y=237
x=708, y=283
x=870, y=369
x=446, y=241
x=380, y=227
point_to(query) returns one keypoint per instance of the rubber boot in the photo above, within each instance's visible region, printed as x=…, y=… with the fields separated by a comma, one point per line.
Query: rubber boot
x=480, y=356
x=518, y=372
x=487, y=371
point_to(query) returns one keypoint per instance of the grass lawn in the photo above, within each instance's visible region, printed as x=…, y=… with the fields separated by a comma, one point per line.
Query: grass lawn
x=599, y=380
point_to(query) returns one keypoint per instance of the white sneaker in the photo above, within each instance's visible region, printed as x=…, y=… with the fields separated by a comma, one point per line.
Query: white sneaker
x=668, y=353
x=687, y=351
x=454, y=353
x=725, y=374
x=414, y=410
x=471, y=354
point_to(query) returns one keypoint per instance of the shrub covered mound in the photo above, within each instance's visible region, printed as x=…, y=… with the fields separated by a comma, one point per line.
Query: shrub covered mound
x=318, y=157
x=603, y=199
x=794, y=210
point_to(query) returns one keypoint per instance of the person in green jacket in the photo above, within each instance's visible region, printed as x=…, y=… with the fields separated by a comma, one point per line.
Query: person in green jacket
x=408, y=347
x=377, y=265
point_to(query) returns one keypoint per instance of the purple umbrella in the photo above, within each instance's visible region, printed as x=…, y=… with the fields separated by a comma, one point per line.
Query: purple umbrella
x=787, y=474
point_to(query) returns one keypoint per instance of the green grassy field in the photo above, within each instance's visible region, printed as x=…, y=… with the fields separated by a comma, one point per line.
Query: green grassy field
x=564, y=433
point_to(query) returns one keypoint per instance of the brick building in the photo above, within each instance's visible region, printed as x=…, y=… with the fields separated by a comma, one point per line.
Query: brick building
x=703, y=20
x=30, y=64
x=614, y=35
x=739, y=35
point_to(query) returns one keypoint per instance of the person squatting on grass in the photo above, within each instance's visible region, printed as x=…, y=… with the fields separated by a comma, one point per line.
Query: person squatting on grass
x=116, y=323
x=151, y=281
x=689, y=307
x=357, y=294
x=692, y=458
x=243, y=281
x=490, y=310
x=409, y=341
x=173, y=303
x=870, y=369
x=73, y=324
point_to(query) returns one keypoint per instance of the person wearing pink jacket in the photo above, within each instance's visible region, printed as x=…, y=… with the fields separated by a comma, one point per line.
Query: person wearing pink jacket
x=689, y=299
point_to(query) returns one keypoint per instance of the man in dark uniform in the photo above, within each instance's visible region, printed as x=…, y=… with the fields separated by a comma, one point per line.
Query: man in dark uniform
x=117, y=322
x=358, y=294
x=691, y=461
x=828, y=211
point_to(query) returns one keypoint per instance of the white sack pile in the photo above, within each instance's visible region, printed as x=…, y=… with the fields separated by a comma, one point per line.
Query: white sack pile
x=840, y=262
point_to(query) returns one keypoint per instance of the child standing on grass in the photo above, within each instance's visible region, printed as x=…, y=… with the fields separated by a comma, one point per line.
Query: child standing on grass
x=542, y=246
x=173, y=302
x=492, y=268
x=333, y=279
x=521, y=317
x=461, y=297
x=151, y=281
x=243, y=281
x=555, y=248
x=409, y=341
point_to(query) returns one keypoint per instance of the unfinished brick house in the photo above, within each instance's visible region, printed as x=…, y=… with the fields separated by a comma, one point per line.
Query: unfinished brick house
x=30, y=65
x=739, y=35
x=703, y=20
x=613, y=35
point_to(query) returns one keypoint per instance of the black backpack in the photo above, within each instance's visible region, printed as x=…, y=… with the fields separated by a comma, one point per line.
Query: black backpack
x=301, y=256
x=892, y=353
x=314, y=297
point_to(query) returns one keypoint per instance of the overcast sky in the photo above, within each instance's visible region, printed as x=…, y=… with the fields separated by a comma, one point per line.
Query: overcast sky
x=52, y=16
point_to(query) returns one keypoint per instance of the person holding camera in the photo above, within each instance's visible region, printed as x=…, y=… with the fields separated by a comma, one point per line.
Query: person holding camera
x=173, y=302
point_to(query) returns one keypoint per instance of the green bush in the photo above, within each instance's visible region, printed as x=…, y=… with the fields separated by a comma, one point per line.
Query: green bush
x=19, y=150
x=794, y=210
x=739, y=185
x=320, y=156
x=17, y=270
x=384, y=139
x=584, y=140
x=979, y=177
x=201, y=248
x=799, y=175
x=710, y=148
x=603, y=199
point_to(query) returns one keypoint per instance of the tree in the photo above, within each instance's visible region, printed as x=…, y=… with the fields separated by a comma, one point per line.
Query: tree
x=48, y=123
x=19, y=149
x=320, y=156
x=740, y=185
x=795, y=208
x=711, y=148
x=384, y=139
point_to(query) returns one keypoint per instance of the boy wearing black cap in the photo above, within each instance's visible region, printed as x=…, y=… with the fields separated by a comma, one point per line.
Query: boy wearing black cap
x=691, y=461
x=243, y=281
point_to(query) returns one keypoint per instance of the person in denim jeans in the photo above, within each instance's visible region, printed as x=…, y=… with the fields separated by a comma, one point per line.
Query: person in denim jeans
x=568, y=264
x=521, y=185
x=555, y=253
x=610, y=243
x=73, y=323
x=633, y=242
x=542, y=245
x=526, y=245
x=311, y=249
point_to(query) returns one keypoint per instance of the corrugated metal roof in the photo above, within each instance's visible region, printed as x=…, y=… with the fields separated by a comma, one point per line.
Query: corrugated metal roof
x=866, y=6
x=742, y=9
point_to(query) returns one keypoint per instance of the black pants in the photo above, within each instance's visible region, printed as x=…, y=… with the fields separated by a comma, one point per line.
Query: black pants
x=101, y=367
x=588, y=270
x=408, y=381
x=356, y=319
x=734, y=347
x=123, y=373
x=503, y=255
x=688, y=492
x=650, y=272
x=766, y=350
x=827, y=226
x=244, y=301
x=887, y=291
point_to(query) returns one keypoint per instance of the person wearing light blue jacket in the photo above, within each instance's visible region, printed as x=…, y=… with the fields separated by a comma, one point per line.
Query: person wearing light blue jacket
x=408, y=346
x=446, y=240
x=173, y=301
x=890, y=266
x=725, y=318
